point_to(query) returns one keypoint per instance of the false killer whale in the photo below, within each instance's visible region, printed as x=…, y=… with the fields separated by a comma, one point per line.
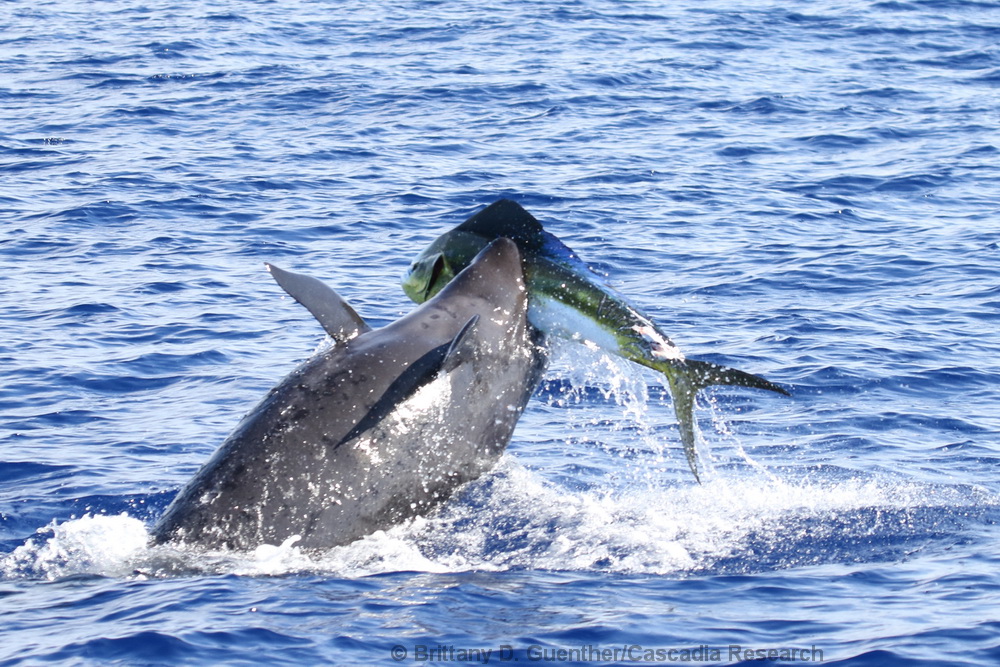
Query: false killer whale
x=381, y=427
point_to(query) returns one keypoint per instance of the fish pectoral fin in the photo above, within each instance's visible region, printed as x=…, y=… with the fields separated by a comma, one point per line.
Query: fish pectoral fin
x=333, y=313
x=462, y=348
x=688, y=377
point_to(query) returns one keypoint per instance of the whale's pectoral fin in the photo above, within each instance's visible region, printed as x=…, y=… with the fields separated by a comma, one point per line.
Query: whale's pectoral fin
x=686, y=378
x=334, y=314
x=422, y=371
x=462, y=348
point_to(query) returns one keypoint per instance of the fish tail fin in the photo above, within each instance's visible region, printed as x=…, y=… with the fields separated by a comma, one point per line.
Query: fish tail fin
x=686, y=378
x=683, y=393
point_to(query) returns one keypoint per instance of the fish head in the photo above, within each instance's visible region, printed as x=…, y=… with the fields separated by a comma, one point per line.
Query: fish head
x=451, y=252
x=443, y=259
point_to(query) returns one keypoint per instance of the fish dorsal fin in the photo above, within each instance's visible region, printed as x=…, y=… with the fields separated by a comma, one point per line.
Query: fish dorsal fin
x=462, y=348
x=333, y=313
x=505, y=218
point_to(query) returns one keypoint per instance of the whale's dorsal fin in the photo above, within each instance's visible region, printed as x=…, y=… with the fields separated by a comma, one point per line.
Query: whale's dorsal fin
x=333, y=313
x=462, y=348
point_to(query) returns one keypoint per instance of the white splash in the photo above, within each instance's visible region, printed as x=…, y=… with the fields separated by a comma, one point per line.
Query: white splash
x=103, y=545
x=514, y=519
x=645, y=517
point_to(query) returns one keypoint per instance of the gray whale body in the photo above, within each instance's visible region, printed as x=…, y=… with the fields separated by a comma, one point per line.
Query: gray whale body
x=381, y=427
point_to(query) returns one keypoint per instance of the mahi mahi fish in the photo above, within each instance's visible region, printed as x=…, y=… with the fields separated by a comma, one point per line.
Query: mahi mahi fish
x=567, y=299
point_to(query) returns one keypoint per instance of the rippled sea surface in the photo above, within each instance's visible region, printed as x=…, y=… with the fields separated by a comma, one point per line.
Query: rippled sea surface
x=805, y=190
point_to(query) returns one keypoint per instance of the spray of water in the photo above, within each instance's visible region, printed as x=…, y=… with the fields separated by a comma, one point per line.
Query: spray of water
x=641, y=515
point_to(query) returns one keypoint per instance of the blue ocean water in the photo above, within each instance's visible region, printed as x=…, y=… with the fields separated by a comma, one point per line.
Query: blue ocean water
x=805, y=190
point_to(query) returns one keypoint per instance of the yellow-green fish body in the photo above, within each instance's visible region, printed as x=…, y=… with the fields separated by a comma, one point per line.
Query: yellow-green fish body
x=566, y=298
